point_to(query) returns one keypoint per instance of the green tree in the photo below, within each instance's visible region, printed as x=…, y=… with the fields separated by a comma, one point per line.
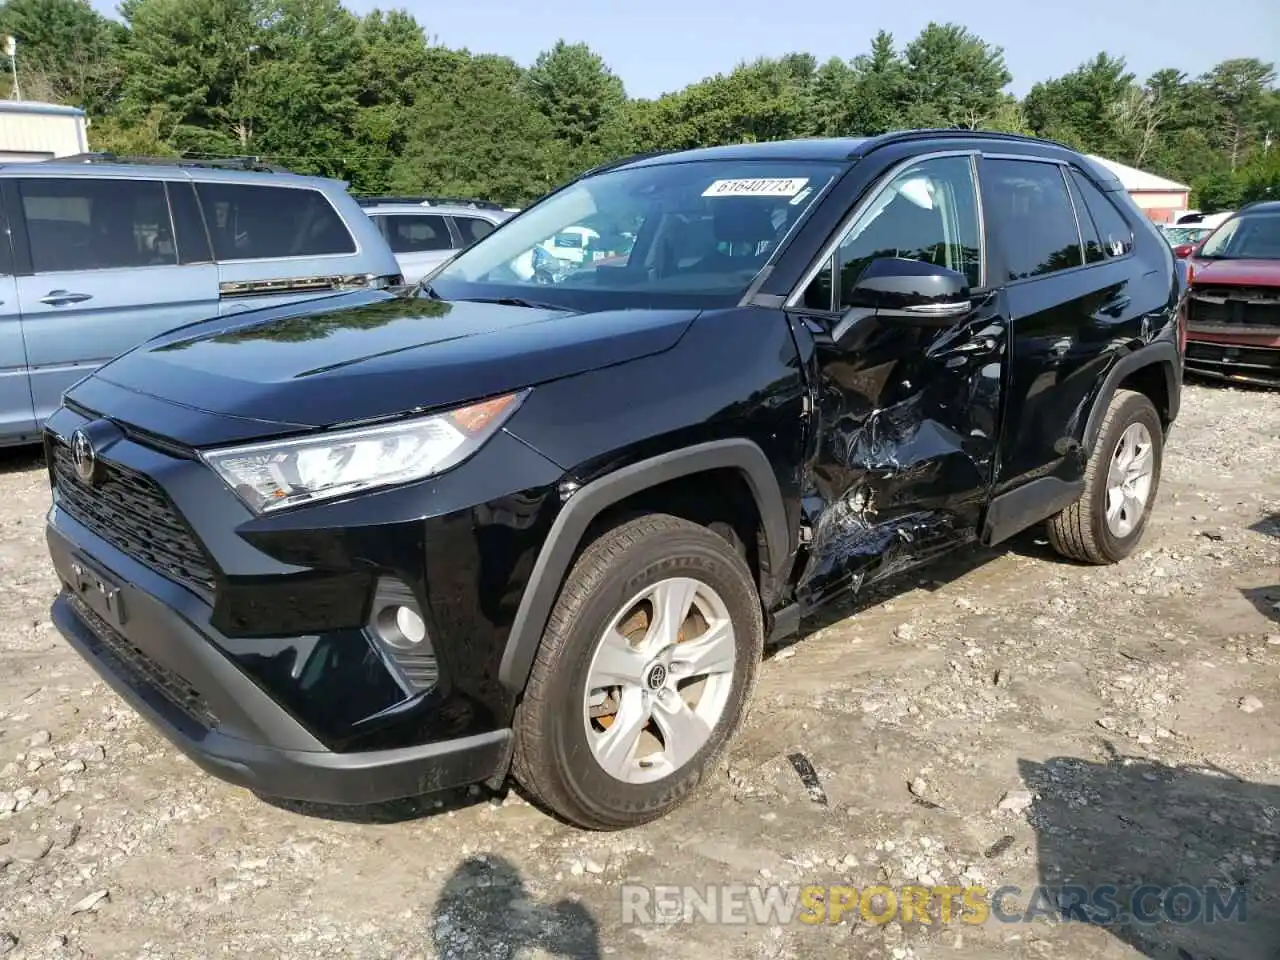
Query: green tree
x=476, y=133
x=193, y=60
x=1081, y=107
x=880, y=95
x=391, y=69
x=304, y=85
x=953, y=78
x=67, y=52
x=1239, y=90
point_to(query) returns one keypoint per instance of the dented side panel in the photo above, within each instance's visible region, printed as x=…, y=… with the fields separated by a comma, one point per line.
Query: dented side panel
x=903, y=445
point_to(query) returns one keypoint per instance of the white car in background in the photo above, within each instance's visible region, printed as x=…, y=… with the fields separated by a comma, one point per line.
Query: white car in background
x=423, y=232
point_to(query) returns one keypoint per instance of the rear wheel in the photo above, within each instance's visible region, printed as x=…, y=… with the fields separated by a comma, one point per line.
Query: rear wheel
x=1121, y=480
x=643, y=675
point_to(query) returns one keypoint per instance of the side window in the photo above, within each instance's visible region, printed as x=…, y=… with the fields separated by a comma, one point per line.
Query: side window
x=1029, y=213
x=472, y=229
x=1088, y=230
x=928, y=212
x=92, y=224
x=251, y=222
x=817, y=296
x=1113, y=229
x=188, y=225
x=416, y=233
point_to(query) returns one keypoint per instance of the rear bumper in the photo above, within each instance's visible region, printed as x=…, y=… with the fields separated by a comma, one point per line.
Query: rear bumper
x=173, y=675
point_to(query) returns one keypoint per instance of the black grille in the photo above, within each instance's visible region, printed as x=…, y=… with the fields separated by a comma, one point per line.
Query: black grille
x=122, y=657
x=1236, y=306
x=130, y=512
x=1257, y=364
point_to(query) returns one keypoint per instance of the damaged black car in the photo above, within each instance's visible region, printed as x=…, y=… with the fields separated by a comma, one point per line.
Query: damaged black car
x=542, y=523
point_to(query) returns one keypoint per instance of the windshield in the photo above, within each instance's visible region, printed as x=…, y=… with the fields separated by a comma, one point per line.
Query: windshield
x=678, y=234
x=1179, y=235
x=1252, y=237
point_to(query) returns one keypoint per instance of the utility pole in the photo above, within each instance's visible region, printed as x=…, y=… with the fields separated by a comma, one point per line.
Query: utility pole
x=11, y=48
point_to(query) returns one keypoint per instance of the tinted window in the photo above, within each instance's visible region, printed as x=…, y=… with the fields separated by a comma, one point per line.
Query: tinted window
x=472, y=228
x=249, y=222
x=1088, y=231
x=414, y=233
x=1030, y=215
x=1113, y=230
x=92, y=224
x=928, y=212
x=193, y=242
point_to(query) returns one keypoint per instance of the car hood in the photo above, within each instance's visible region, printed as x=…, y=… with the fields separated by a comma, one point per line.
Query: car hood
x=356, y=357
x=1253, y=272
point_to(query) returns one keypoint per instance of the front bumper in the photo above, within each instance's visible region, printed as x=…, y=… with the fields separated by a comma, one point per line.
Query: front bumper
x=1238, y=357
x=257, y=644
x=215, y=714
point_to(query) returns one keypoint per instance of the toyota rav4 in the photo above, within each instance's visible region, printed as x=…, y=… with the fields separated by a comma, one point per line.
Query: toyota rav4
x=391, y=542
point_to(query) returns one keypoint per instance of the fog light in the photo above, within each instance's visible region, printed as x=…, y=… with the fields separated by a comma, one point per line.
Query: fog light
x=411, y=626
x=398, y=628
x=401, y=626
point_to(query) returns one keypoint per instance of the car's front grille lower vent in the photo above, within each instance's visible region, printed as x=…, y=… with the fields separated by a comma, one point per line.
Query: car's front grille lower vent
x=129, y=511
x=144, y=671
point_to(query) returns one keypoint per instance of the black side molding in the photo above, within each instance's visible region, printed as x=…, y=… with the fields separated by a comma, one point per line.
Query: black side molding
x=1030, y=503
x=583, y=507
x=1162, y=352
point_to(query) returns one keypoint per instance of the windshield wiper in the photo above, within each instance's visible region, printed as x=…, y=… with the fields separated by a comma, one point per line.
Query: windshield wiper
x=516, y=302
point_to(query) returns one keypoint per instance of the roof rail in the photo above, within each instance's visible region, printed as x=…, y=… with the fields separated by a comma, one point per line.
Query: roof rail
x=952, y=133
x=220, y=163
x=369, y=201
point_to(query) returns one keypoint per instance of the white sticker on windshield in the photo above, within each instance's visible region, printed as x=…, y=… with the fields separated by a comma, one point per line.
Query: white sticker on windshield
x=783, y=187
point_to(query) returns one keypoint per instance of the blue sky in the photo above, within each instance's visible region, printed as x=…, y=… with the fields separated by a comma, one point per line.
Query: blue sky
x=661, y=45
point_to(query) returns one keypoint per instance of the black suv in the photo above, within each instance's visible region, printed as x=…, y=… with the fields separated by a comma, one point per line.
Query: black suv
x=385, y=543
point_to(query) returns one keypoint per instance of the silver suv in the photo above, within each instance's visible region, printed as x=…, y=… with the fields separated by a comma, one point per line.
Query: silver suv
x=425, y=231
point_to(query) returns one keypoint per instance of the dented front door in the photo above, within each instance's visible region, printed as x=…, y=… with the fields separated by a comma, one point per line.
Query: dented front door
x=905, y=418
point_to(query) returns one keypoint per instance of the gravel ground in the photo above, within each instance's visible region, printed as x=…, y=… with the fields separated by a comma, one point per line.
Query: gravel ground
x=1003, y=718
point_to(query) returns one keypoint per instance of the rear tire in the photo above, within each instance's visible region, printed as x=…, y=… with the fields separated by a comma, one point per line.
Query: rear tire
x=1120, y=485
x=625, y=715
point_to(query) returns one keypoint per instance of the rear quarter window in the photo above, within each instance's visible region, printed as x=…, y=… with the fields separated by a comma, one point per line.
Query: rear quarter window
x=1114, y=232
x=251, y=222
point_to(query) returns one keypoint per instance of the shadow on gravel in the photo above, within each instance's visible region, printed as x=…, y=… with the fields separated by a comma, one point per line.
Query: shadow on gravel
x=486, y=913
x=1152, y=851
x=21, y=459
x=1267, y=600
x=931, y=577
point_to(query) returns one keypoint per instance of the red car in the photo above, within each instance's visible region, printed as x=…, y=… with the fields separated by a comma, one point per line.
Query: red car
x=1234, y=318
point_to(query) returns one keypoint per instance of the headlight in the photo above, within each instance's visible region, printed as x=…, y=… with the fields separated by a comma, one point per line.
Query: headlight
x=269, y=476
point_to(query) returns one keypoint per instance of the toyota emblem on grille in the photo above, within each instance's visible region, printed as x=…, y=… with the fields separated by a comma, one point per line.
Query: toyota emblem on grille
x=82, y=455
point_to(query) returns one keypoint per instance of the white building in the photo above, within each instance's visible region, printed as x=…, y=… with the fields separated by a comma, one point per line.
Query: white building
x=1160, y=199
x=40, y=131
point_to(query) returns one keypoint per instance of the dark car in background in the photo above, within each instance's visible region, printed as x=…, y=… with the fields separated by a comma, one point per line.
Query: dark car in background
x=391, y=542
x=1234, y=320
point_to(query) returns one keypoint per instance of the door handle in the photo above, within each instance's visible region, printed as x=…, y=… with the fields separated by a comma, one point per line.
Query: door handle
x=56, y=298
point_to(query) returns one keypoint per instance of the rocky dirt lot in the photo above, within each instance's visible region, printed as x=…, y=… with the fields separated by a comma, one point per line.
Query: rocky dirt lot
x=1005, y=718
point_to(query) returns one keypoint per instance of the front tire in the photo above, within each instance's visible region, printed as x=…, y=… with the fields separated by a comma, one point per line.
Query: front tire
x=643, y=675
x=1120, y=485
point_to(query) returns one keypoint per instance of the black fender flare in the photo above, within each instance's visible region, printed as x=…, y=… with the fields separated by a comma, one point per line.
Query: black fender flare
x=585, y=505
x=1161, y=352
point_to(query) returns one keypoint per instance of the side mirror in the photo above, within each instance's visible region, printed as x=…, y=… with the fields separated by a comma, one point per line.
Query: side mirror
x=913, y=292
x=1184, y=250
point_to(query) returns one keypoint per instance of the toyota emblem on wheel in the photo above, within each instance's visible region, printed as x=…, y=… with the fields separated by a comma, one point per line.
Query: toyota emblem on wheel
x=82, y=456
